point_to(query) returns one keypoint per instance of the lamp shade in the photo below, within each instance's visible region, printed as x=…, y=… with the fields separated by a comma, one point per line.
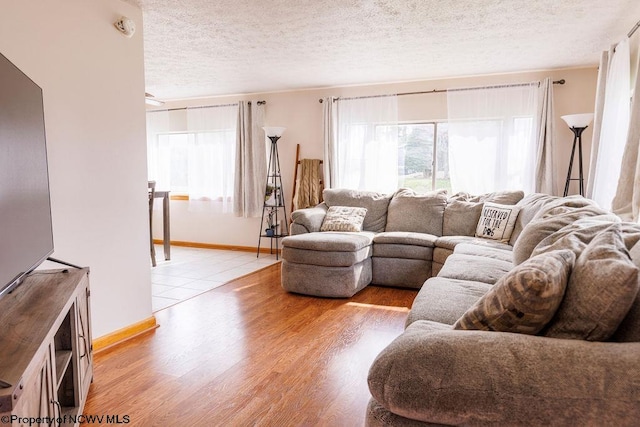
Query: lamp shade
x=578, y=120
x=274, y=131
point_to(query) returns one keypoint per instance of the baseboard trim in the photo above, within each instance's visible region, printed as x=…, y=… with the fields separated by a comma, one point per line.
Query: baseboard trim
x=216, y=246
x=124, y=334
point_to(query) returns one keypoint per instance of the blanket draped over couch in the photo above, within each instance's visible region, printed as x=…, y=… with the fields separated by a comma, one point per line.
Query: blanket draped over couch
x=528, y=311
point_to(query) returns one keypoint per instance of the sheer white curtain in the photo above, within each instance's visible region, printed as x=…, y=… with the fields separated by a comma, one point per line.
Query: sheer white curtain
x=612, y=127
x=329, y=139
x=545, y=170
x=211, y=153
x=492, y=138
x=251, y=162
x=159, y=149
x=366, y=146
x=626, y=202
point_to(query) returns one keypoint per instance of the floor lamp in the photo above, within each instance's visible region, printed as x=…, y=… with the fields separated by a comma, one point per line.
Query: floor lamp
x=275, y=191
x=577, y=123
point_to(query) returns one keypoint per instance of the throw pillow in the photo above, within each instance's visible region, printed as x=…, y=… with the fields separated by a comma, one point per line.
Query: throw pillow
x=497, y=221
x=525, y=299
x=343, y=218
x=602, y=288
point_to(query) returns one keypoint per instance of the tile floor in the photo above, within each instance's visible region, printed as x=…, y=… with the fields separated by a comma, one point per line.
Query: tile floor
x=192, y=271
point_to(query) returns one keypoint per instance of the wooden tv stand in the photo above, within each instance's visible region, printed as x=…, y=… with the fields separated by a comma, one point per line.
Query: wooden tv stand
x=46, y=356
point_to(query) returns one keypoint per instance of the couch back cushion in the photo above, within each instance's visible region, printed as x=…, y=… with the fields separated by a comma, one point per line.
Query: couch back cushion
x=546, y=222
x=576, y=235
x=375, y=203
x=463, y=210
x=600, y=292
x=629, y=329
x=418, y=213
x=461, y=217
x=530, y=205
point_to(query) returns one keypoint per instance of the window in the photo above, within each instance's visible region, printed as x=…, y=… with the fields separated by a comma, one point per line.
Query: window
x=423, y=155
x=199, y=161
x=198, y=164
x=492, y=138
x=425, y=158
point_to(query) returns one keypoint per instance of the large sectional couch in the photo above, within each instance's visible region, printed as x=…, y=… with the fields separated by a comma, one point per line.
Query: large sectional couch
x=541, y=327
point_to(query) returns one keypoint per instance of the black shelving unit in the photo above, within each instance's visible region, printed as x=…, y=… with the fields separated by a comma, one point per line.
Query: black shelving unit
x=271, y=226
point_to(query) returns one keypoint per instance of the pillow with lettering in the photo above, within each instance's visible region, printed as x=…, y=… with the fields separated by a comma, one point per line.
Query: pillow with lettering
x=497, y=221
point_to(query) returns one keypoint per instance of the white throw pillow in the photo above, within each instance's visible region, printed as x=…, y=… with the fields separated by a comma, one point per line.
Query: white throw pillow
x=497, y=221
x=343, y=218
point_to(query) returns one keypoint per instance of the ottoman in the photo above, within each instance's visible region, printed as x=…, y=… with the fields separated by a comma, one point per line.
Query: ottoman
x=327, y=264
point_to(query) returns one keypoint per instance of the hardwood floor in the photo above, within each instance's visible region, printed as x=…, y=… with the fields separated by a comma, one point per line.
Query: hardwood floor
x=248, y=353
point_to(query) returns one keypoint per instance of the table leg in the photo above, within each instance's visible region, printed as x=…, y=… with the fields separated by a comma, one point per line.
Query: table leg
x=166, y=227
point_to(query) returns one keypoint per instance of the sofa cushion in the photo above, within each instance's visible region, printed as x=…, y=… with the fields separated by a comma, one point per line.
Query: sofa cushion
x=497, y=221
x=405, y=238
x=530, y=205
x=343, y=218
x=308, y=220
x=537, y=204
x=577, y=235
x=474, y=268
x=329, y=241
x=547, y=222
x=445, y=300
x=376, y=204
x=602, y=288
x=439, y=376
x=629, y=329
x=484, y=251
x=399, y=244
x=450, y=242
x=461, y=217
x=504, y=197
x=391, y=250
x=326, y=281
x=401, y=272
x=420, y=213
x=524, y=300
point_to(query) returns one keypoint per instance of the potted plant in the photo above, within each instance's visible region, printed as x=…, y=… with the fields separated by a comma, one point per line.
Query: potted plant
x=270, y=231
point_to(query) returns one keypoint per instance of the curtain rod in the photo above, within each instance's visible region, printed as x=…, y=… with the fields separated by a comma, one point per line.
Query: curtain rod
x=555, y=82
x=633, y=30
x=204, y=106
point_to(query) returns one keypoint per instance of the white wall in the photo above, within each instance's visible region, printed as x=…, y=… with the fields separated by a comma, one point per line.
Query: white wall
x=301, y=113
x=93, y=83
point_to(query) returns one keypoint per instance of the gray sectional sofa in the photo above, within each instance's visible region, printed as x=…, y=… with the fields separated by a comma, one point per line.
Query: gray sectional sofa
x=405, y=240
x=543, y=329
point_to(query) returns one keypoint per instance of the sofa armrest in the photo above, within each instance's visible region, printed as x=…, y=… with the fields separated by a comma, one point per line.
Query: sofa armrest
x=435, y=374
x=308, y=220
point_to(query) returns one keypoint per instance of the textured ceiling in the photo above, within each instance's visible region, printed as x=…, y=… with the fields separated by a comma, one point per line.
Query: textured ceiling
x=196, y=48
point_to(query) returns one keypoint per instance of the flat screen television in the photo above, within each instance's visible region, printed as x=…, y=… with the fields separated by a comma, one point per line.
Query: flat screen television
x=26, y=235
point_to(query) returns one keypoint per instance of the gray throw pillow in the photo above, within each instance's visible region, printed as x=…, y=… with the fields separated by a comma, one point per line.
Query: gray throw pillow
x=525, y=299
x=601, y=290
x=343, y=218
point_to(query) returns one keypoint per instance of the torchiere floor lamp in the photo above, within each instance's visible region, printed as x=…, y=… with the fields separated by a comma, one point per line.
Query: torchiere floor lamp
x=577, y=123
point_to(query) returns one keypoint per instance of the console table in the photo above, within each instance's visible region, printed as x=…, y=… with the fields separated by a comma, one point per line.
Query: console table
x=46, y=355
x=166, y=231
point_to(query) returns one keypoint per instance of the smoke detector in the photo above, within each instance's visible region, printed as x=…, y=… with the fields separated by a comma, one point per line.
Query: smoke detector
x=126, y=26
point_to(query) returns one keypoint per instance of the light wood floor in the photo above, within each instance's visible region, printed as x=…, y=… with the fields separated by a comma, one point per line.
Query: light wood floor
x=249, y=353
